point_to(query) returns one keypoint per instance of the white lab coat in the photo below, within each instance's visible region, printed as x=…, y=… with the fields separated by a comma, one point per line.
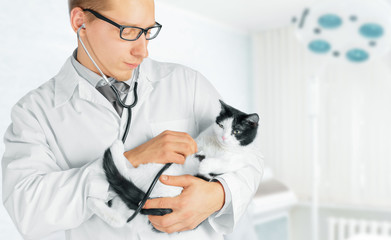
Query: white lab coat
x=53, y=149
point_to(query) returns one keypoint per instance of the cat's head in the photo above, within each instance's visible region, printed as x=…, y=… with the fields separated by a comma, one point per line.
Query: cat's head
x=235, y=128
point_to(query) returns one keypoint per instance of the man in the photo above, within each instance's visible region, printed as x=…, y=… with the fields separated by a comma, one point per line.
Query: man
x=55, y=144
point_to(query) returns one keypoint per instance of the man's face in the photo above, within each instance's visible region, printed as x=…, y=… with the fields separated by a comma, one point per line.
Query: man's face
x=117, y=57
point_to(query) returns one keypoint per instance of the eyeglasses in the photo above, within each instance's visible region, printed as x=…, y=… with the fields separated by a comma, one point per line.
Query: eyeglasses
x=130, y=33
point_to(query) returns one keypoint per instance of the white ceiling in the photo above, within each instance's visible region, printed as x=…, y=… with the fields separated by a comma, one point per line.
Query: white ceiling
x=250, y=15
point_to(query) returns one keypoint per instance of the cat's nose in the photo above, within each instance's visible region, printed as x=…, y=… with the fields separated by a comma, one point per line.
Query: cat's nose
x=223, y=137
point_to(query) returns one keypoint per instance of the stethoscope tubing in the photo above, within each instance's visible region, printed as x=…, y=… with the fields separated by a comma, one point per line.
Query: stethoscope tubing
x=129, y=120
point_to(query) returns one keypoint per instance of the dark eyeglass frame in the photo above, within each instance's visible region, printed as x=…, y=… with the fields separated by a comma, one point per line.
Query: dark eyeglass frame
x=122, y=27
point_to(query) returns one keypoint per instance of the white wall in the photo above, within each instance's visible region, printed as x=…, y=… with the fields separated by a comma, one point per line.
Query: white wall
x=36, y=39
x=219, y=52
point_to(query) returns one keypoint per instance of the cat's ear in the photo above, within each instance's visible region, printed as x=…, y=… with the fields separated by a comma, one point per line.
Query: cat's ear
x=224, y=106
x=253, y=119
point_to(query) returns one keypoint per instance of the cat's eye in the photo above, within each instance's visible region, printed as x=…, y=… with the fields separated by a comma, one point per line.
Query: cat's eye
x=220, y=125
x=235, y=132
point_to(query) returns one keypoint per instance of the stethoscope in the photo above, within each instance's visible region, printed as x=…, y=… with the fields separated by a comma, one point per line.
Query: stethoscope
x=129, y=107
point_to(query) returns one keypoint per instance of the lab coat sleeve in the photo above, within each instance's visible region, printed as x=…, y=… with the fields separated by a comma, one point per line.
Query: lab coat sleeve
x=239, y=186
x=40, y=197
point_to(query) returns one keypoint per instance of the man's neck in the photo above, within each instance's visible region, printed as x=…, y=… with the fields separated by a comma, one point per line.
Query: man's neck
x=84, y=60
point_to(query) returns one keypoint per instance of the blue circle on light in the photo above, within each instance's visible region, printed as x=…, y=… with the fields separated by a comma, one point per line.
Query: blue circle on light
x=330, y=21
x=357, y=55
x=319, y=46
x=371, y=30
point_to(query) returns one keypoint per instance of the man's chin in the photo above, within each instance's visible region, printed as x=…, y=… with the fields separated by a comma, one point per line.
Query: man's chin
x=124, y=77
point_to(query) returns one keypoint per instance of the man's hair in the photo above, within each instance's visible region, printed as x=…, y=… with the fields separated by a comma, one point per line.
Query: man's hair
x=96, y=5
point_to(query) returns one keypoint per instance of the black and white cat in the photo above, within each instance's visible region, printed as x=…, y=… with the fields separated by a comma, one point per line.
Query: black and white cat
x=225, y=146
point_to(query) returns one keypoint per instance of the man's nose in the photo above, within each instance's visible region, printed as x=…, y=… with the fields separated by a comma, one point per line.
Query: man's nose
x=140, y=47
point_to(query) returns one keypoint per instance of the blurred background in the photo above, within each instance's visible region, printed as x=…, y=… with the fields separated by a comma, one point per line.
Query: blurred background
x=319, y=78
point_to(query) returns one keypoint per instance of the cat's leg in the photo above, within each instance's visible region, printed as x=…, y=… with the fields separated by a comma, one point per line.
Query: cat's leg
x=218, y=166
x=120, y=161
x=211, y=166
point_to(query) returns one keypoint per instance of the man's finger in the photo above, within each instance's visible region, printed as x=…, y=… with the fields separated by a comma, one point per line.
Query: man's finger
x=179, y=181
x=176, y=158
x=167, y=202
x=184, y=149
x=169, y=223
x=182, y=137
x=164, y=221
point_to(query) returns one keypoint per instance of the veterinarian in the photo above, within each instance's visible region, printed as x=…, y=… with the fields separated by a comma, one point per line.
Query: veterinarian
x=53, y=149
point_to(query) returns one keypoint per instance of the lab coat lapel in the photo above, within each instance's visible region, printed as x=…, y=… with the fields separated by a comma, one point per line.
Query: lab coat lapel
x=144, y=88
x=68, y=80
x=65, y=83
x=89, y=93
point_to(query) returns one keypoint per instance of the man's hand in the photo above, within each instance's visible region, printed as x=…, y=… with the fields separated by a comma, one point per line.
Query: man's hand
x=198, y=200
x=169, y=146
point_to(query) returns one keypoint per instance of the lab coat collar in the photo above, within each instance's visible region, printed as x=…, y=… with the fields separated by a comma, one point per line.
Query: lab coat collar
x=65, y=83
x=68, y=79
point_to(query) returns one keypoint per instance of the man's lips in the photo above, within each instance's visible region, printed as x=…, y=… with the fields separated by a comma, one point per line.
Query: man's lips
x=131, y=65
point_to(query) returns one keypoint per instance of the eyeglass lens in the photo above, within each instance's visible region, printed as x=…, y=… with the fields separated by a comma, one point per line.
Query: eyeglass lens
x=130, y=33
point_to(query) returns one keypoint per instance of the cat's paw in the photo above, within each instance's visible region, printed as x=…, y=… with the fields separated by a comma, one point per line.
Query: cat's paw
x=207, y=166
x=210, y=168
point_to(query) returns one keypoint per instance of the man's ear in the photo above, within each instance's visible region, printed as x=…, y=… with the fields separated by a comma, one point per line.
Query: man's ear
x=78, y=18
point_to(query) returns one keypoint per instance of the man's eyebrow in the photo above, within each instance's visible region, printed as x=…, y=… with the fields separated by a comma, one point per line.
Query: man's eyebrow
x=136, y=25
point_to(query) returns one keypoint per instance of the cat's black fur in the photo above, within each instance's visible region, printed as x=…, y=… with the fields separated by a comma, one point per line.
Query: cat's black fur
x=247, y=124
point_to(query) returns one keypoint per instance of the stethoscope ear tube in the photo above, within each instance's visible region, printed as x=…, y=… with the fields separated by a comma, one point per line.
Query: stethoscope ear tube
x=89, y=56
